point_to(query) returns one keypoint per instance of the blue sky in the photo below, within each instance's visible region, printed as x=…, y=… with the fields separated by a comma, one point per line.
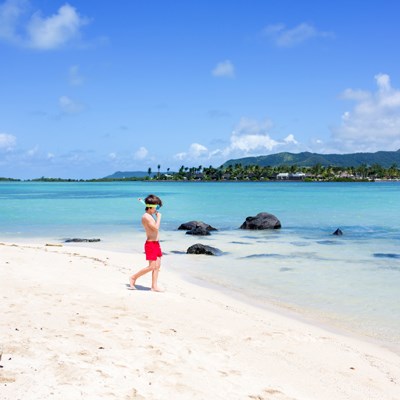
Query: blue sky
x=88, y=88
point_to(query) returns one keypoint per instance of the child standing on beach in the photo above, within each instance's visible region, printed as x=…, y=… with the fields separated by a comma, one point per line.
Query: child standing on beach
x=151, y=220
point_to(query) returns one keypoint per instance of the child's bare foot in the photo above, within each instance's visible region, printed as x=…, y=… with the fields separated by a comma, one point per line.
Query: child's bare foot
x=132, y=282
x=157, y=289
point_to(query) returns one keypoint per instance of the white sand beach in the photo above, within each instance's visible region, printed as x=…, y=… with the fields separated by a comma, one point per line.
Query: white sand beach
x=70, y=329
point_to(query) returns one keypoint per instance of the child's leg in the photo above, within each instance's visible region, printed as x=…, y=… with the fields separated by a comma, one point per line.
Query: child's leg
x=154, y=276
x=138, y=274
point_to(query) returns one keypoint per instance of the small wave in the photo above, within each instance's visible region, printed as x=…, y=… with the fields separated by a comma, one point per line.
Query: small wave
x=265, y=255
x=390, y=268
x=300, y=244
x=329, y=242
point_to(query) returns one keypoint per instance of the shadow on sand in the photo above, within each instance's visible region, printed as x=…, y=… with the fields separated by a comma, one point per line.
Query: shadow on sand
x=138, y=287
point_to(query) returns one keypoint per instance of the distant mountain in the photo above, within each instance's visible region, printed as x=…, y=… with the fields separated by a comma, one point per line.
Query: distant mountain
x=384, y=158
x=128, y=174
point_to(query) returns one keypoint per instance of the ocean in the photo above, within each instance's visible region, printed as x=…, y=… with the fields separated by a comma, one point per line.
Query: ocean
x=348, y=283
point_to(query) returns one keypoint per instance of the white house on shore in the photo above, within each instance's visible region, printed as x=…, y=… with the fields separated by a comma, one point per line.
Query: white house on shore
x=289, y=176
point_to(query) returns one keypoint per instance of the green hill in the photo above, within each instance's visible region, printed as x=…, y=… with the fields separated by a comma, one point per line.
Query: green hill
x=306, y=159
x=128, y=174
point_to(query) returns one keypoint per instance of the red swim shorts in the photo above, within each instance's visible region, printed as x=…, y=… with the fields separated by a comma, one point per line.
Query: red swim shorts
x=152, y=250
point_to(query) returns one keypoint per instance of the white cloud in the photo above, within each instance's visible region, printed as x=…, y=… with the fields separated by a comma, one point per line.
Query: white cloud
x=249, y=142
x=350, y=94
x=374, y=122
x=285, y=37
x=224, y=69
x=69, y=106
x=33, y=151
x=129, y=160
x=52, y=32
x=76, y=157
x=253, y=138
x=10, y=13
x=17, y=26
x=141, y=153
x=181, y=156
x=195, y=151
x=75, y=77
x=290, y=139
x=7, y=142
x=249, y=138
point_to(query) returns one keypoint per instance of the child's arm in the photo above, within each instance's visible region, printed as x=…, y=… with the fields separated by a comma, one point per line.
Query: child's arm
x=151, y=223
x=158, y=220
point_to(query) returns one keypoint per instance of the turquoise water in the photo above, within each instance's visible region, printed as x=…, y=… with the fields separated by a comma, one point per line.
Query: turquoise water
x=350, y=282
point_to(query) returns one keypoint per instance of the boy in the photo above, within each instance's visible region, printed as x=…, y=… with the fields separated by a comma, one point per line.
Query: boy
x=151, y=220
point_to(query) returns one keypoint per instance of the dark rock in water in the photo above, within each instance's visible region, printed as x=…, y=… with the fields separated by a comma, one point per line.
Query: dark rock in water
x=262, y=220
x=194, y=224
x=199, y=248
x=199, y=231
x=386, y=255
x=78, y=240
x=338, y=232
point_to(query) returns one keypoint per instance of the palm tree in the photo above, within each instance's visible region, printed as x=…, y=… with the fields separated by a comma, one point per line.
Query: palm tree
x=362, y=170
x=149, y=172
x=317, y=169
x=158, y=173
x=393, y=171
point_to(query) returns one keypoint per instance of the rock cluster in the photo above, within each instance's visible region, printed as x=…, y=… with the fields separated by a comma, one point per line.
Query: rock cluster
x=197, y=228
x=262, y=220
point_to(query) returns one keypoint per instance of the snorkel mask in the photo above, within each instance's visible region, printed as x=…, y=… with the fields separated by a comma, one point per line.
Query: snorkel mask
x=156, y=206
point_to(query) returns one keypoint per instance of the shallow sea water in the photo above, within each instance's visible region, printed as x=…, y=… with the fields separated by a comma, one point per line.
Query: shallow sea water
x=348, y=282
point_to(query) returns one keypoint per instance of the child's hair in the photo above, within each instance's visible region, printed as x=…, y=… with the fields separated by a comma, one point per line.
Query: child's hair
x=152, y=199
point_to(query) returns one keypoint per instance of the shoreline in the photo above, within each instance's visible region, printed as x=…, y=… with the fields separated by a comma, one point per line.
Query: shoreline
x=292, y=311
x=71, y=329
x=308, y=315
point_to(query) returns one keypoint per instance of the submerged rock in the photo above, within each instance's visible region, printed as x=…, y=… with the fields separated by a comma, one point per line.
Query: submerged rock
x=199, y=248
x=188, y=226
x=386, y=255
x=262, y=220
x=199, y=231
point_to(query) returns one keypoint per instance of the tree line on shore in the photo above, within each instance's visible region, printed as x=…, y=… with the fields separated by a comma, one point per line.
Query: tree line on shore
x=317, y=172
x=238, y=172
